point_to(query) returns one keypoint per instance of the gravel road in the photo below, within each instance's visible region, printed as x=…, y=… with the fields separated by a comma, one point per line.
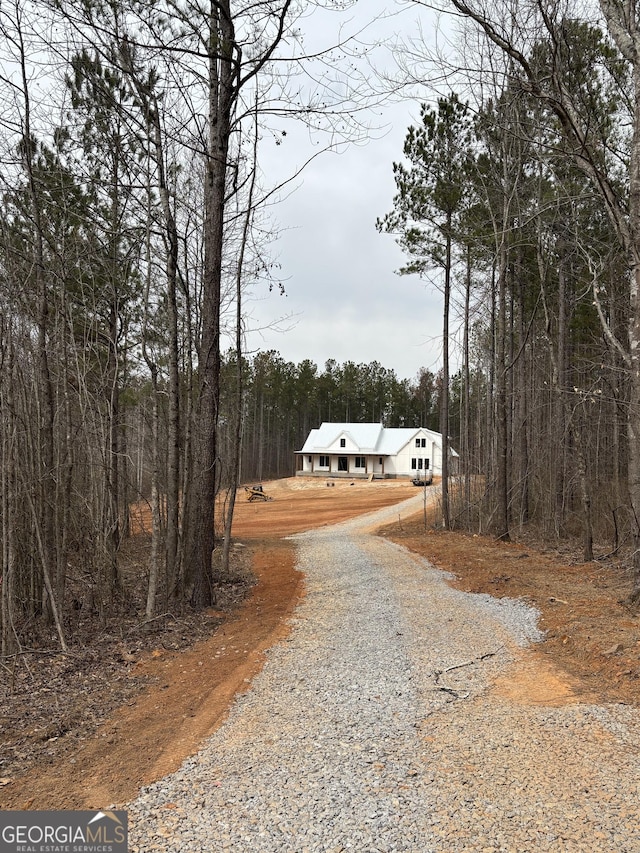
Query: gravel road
x=374, y=727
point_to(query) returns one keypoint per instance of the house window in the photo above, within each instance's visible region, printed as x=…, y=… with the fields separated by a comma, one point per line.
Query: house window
x=426, y=463
x=420, y=464
x=414, y=464
x=360, y=462
x=324, y=461
x=343, y=442
x=343, y=463
x=423, y=442
x=417, y=442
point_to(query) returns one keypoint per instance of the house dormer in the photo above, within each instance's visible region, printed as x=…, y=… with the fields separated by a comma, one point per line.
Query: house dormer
x=344, y=441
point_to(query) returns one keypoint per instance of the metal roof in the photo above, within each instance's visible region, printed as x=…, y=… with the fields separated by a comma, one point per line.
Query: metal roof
x=368, y=438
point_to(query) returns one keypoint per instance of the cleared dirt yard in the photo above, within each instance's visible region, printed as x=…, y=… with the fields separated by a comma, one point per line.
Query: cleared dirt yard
x=302, y=503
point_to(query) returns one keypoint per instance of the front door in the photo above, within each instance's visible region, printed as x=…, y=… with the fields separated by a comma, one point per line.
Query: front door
x=343, y=463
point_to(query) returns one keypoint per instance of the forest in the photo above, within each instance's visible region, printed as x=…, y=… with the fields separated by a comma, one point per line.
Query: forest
x=134, y=218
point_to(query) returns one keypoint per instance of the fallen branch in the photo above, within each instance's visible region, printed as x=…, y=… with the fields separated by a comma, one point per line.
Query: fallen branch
x=44, y=653
x=439, y=672
x=490, y=654
x=455, y=666
x=149, y=621
x=452, y=691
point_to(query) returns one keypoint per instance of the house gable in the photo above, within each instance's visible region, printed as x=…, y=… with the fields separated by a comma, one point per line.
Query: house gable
x=418, y=440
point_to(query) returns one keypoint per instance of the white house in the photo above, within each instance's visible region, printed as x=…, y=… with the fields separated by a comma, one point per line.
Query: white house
x=363, y=450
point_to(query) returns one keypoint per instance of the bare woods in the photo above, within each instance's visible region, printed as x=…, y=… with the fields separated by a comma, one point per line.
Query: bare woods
x=132, y=225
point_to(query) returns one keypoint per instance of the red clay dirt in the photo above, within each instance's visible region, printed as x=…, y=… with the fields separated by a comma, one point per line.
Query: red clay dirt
x=592, y=651
x=184, y=696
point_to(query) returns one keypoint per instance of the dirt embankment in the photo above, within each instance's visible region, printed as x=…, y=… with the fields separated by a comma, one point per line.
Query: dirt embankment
x=177, y=698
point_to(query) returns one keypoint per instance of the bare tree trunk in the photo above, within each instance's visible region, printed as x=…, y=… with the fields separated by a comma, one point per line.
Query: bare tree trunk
x=444, y=402
x=152, y=111
x=64, y=466
x=7, y=491
x=489, y=418
x=112, y=508
x=502, y=491
x=200, y=539
x=522, y=389
x=466, y=417
x=156, y=522
x=156, y=514
x=44, y=520
x=585, y=496
x=261, y=436
x=562, y=431
x=236, y=450
x=634, y=430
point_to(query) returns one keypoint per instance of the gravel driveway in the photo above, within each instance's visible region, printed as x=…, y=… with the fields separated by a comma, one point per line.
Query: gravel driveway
x=374, y=727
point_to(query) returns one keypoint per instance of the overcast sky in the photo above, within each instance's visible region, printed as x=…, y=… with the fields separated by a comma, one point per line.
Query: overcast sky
x=343, y=298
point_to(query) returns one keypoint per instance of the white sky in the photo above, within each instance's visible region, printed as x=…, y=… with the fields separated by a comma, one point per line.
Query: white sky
x=343, y=298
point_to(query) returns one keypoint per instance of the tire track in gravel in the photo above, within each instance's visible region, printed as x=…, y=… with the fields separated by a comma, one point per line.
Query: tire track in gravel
x=372, y=728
